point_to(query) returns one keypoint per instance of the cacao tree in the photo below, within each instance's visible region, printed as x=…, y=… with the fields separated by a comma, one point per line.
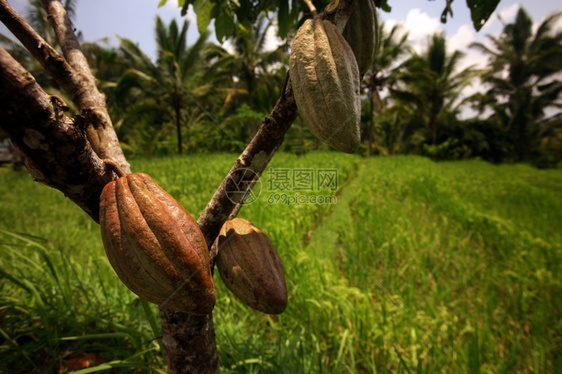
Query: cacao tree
x=73, y=154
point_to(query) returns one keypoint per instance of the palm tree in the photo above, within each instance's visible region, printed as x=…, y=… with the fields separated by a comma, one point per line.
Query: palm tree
x=432, y=84
x=250, y=76
x=162, y=90
x=38, y=19
x=390, y=49
x=523, y=76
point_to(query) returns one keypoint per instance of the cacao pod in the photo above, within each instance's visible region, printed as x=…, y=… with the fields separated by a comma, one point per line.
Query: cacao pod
x=155, y=246
x=250, y=266
x=325, y=79
x=361, y=33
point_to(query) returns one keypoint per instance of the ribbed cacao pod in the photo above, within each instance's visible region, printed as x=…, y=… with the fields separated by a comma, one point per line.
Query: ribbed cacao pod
x=325, y=79
x=250, y=266
x=361, y=33
x=155, y=246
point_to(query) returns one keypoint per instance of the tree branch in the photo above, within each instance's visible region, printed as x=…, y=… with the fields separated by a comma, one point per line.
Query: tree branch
x=46, y=55
x=73, y=75
x=67, y=39
x=88, y=99
x=249, y=165
x=55, y=149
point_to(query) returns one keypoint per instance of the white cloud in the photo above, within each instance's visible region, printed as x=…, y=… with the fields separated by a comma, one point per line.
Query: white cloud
x=272, y=41
x=508, y=14
x=420, y=23
x=420, y=27
x=461, y=39
x=228, y=46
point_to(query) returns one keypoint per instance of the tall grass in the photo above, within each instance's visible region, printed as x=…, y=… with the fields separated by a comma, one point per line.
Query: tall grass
x=418, y=267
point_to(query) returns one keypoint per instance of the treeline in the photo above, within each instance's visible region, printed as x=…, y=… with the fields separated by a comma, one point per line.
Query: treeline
x=203, y=97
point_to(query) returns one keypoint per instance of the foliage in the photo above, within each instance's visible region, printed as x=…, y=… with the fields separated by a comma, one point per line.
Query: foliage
x=524, y=84
x=419, y=267
x=480, y=11
x=432, y=85
x=391, y=49
x=229, y=15
x=250, y=76
x=156, y=93
x=212, y=98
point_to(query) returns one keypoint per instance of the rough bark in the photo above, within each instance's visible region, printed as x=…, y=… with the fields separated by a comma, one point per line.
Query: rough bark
x=55, y=149
x=190, y=343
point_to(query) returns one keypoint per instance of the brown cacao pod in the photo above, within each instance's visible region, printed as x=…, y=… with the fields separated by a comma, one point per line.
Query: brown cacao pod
x=250, y=267
x=361, y=33
x=155, y=246
x=325, y=79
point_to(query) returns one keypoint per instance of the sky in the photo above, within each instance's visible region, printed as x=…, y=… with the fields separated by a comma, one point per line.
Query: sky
x=134, y=19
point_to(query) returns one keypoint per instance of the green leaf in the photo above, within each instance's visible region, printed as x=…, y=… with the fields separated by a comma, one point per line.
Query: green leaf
x=283, y=18
x=162, y=3
x=224, y=26
x=203, y=9
x=481, y=10
x=447, y=11
x=383, y=4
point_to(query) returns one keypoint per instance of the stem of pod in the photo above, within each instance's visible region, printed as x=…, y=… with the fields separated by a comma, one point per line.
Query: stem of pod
x=311, y=7
x=331, y=8
x=114, y=167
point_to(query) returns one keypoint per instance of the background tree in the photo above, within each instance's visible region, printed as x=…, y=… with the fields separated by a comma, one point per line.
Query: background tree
x=391, y=49
x=250, y=76
x=524, y=82
x=157, y=92
x=431, y=83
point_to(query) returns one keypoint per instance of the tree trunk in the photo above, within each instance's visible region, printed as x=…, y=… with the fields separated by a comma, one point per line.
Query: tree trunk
x=178, y=128
x=371, y=123
x=189, y=341
x=433, y=124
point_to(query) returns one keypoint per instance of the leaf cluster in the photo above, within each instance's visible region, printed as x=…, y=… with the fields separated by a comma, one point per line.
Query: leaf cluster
x=230, y=15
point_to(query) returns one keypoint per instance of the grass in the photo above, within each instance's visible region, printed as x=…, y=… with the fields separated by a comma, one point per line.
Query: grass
x=420, y=267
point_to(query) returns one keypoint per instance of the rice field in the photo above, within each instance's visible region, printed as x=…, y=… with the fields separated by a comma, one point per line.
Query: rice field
x=393, y=265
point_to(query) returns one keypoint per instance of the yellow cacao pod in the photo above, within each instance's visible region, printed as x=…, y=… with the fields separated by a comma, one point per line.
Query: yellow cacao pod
x=325, y=79
x=250, y=266
x=155, y=246
x=361, y=33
